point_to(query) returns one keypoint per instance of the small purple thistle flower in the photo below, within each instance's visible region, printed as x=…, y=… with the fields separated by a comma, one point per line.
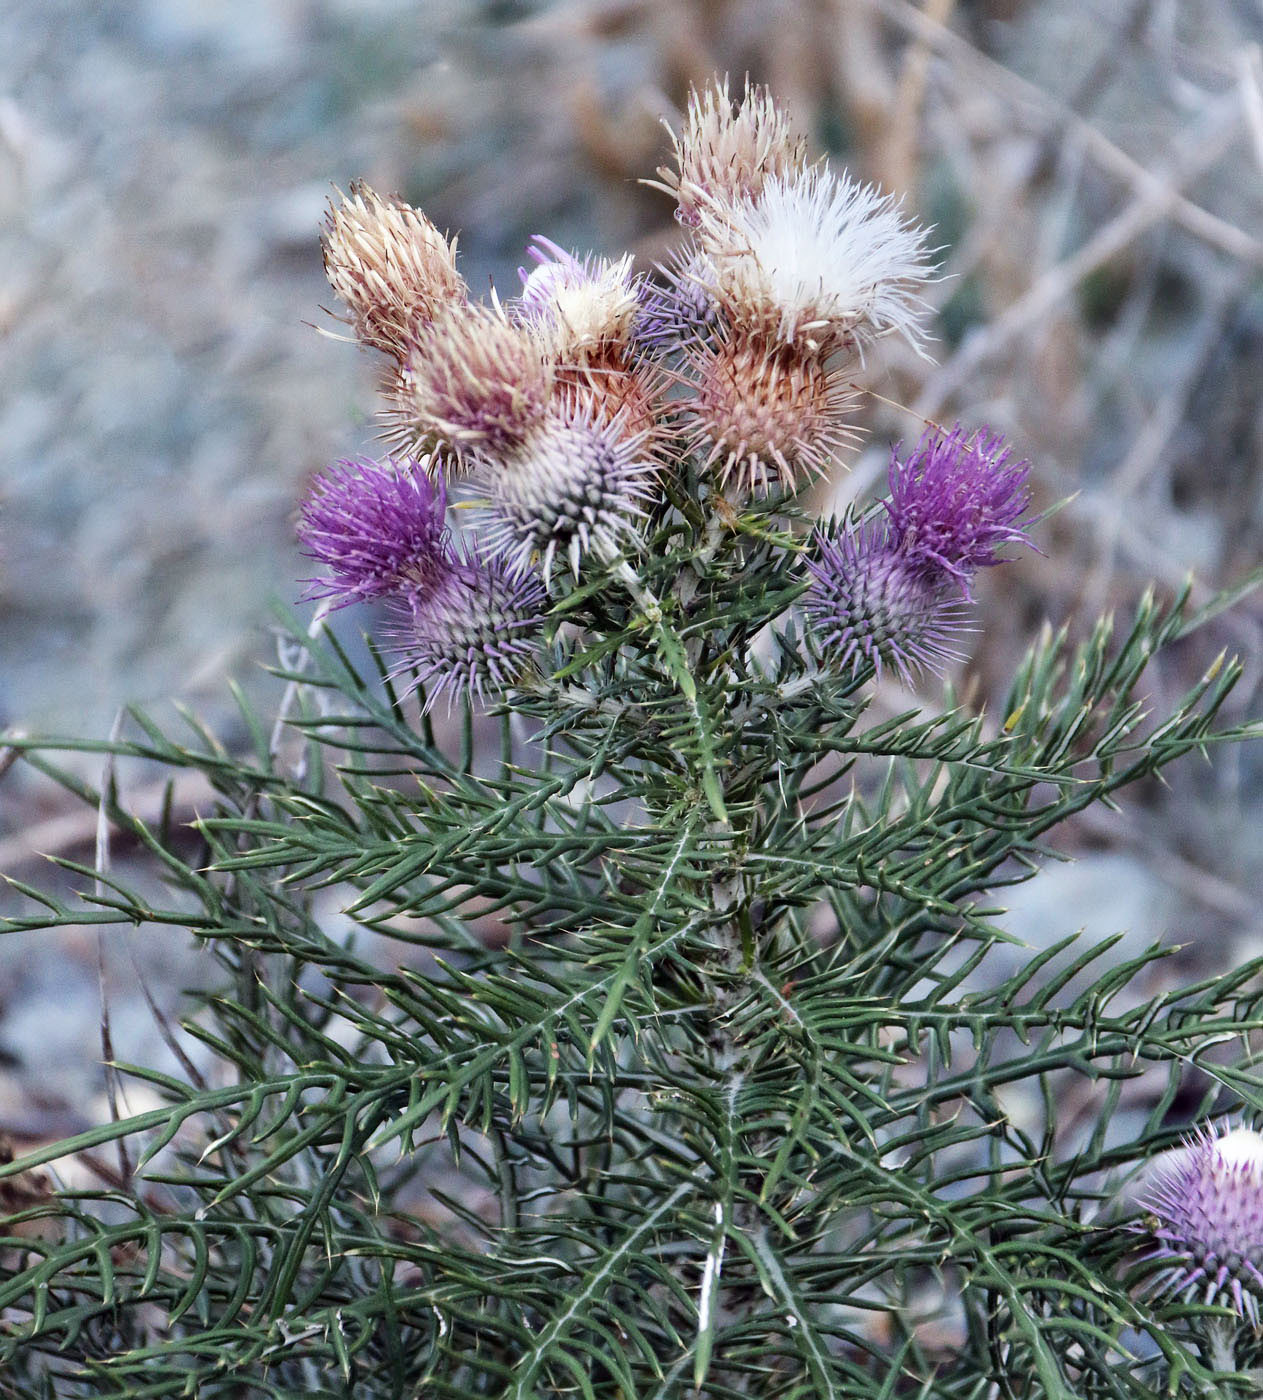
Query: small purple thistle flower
x=956, y=500
x=377, y=527
x=870, y=601
x=1208, y=1210
x=470, y=630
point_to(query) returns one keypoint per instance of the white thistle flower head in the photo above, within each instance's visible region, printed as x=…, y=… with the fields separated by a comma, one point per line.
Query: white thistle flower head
x=575, y=485
x=818, y=257
x=584, y=305
x=727, y=150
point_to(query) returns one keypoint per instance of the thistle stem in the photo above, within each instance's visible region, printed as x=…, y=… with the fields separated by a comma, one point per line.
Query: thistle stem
x=1221, y=1337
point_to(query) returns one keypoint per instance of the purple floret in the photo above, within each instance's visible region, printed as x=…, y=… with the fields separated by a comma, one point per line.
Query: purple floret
x=956, y=501
x=554, y=268
x=870, y=602
x=377, y=527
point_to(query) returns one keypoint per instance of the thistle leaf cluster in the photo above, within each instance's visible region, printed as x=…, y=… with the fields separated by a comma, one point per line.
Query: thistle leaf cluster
x=639, y=1028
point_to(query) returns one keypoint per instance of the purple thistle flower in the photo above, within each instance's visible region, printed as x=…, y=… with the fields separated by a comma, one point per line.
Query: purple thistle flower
x=469, y=630
x=1208, y=1221
x=869, y=601
x=377, y=527
x=956, y=500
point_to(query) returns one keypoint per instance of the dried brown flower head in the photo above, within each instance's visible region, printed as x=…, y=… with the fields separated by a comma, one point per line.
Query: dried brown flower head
x=727, y=150
x=472, y=380
x=390, y=265
x=766, y=413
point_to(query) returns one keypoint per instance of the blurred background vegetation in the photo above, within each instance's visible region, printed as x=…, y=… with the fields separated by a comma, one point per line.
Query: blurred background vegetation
x=1094, y=173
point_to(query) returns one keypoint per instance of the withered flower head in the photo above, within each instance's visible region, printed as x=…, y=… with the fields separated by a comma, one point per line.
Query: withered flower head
x=765, y=414
x=473, y=380
x=727, y=151
x=390, y=265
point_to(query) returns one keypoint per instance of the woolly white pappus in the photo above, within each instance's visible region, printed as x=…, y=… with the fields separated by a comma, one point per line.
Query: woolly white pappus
x=821, y=256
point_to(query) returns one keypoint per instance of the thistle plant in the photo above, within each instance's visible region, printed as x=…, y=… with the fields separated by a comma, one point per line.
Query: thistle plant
x=630, y=1023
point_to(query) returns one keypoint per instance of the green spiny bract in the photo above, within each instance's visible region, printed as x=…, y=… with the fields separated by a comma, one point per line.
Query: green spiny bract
x=661, y=1043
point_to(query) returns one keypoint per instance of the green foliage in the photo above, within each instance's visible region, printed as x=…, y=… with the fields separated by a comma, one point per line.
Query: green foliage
x=729, y=1109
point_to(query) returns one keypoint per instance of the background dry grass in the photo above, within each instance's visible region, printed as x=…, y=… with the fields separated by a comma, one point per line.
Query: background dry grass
x=1094, y=170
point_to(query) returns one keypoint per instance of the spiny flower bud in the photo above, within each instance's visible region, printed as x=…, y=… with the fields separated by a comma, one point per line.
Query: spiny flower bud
x=727, y=152
x=870, y=602
x=1207, y=1219
x=681, y=309
x=472, y=379
x=817, y=256
x=765, y=414
x=584, y=306
x=390, y=265
x=377, y=527
x=470, y=630
x=575, y=485
x=956, y=500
